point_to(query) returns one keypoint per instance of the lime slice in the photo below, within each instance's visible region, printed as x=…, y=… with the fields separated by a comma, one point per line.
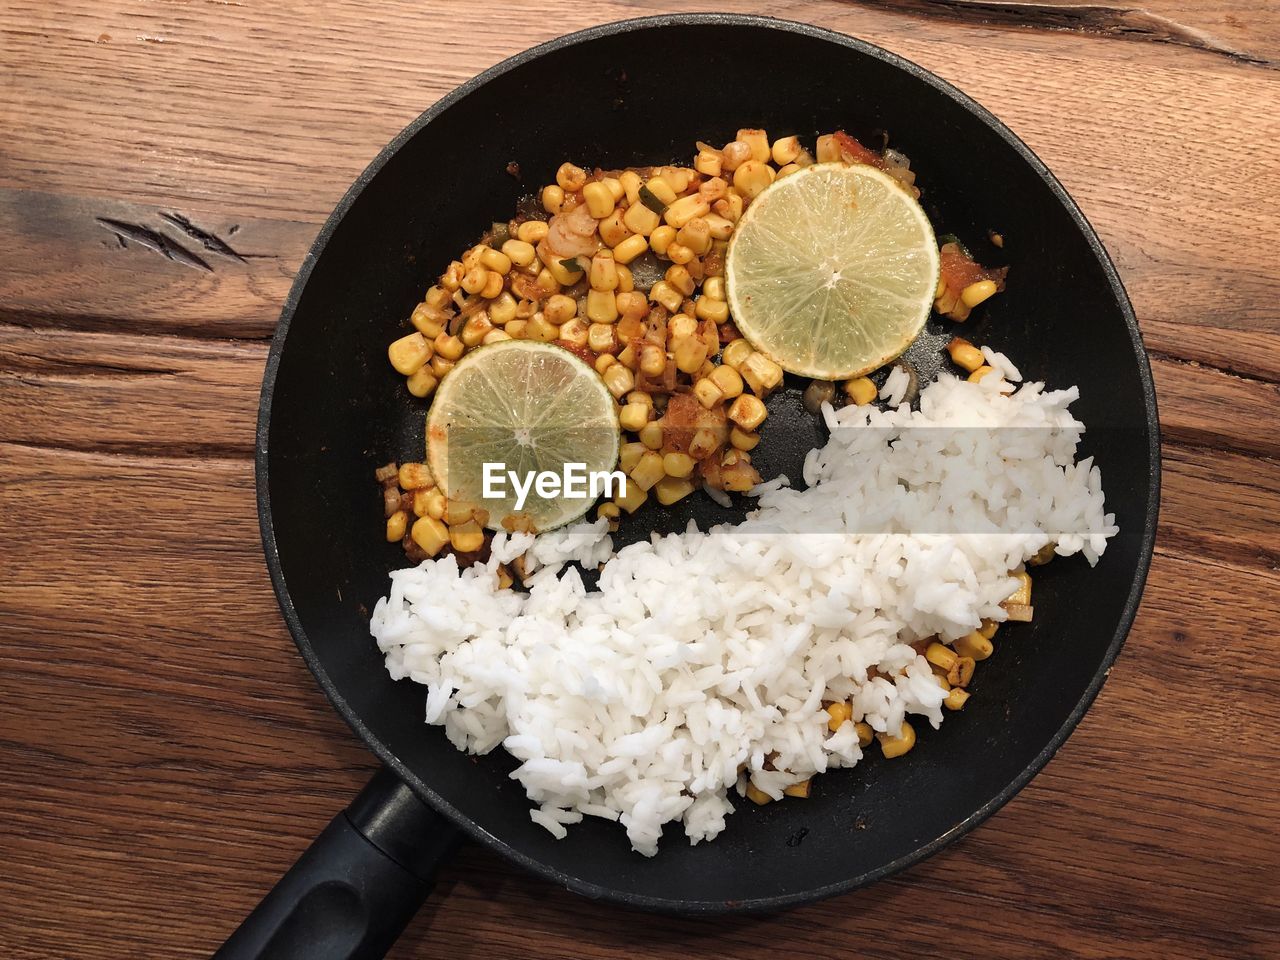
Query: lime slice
x=832, y=271
x=527, y=408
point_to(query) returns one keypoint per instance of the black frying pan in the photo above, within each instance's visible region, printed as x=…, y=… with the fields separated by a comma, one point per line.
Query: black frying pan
x=332, y=410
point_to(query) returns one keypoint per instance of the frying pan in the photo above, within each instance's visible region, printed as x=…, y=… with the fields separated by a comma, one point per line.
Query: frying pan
x=332, y=410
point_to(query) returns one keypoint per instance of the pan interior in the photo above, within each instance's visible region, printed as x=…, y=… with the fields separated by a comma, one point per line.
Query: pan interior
x=335, y=410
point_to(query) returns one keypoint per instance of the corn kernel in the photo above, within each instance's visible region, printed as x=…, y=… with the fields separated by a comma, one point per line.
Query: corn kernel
x=547, y=283
x=531, y=232
x=632, y=305
x=430, y=534
x=427, y=321
x=466, y=537
x=651, y=435
x=757, y=796
x=515, y=329
x=1023, y=593
x=743, y=440
x=961, y=672
x=978, y=374
x=668, y=490
x=690, y=352
x=861, y=390
x=684, y=210
x=976, y=293
x=570, y=177
x=665, y=294
x=631, y=496
x=604, y=272
x=730, y=207
x=619, y=380
x=681, y=325
x=629, y=356
x=760, y=373
x=828, y=148
x=696, y=235
x=565, y=272
x=630, y=455
x=728, y=380
x=630, y=181
x=747, y=412
x=602, y=306
x=451, y=279
x=757, y=140
x=408, y=354
x=659, y=187
x=865, y=733
x=708, y=308
x=940, y=656
x=974, y=645
x=897, y=746
x=423, y=383
x=574, y=332
x=630, y=248
x=614, y=186
x=653, y=360
x=661, y=239
x=474, y=330
x=680, y=279
x=495, y=260
x=560, y=309
x=613, y=231
x=396, y=525
x=785, y=150
x=735, y=153
x=708, y=393
x=956, y=698
x=678, y=465
x=440, y=366
x=552, y=198
x=502, y=310
x=707, y=163
x=752, y=177
x=703, y=443
x=492, y=285
x=989, y=628
x=640, y=219
x=626, y=281
x=598, y=199
x=964, y=354
x=633, y=416
x=601, y=339
x=519, y=252
x=735, y=352
x=800, y=789
x=540, y=328
x=838, y=714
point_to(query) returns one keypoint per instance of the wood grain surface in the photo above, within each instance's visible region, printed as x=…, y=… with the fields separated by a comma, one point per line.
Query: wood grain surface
x=165, y=164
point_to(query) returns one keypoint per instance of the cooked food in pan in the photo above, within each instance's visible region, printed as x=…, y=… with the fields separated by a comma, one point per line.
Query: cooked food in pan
x=617, y=342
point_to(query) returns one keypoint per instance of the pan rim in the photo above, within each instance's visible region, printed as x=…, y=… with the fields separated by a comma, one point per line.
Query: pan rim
x=614, y=895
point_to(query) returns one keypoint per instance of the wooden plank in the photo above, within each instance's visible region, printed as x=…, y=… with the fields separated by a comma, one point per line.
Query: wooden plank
x=114, y=392
x=190, y=272
x=221, y=156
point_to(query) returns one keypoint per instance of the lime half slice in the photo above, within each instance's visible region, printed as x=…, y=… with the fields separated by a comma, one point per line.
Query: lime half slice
x=510, y=413
x=832, y=271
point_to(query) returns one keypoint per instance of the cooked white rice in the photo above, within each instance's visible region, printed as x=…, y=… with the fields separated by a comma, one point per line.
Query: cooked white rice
x=701, y=652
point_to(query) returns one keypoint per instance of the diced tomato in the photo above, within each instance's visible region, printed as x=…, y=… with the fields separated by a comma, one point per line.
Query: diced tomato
x=851, y=151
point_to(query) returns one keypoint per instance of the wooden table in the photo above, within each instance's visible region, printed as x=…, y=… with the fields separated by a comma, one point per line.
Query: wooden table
x=164, y=166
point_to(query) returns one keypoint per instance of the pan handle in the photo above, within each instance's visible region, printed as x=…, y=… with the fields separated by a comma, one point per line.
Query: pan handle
x=356, y=887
